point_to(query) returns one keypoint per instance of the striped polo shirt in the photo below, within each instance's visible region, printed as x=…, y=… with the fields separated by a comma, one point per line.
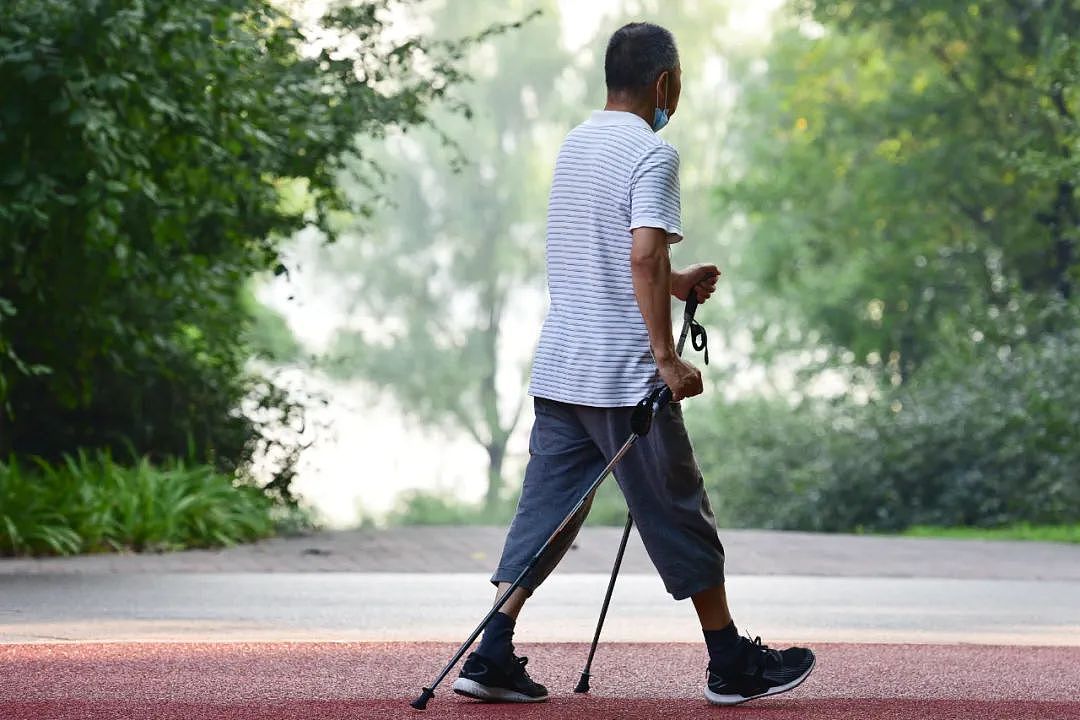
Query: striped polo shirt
x=613, y=174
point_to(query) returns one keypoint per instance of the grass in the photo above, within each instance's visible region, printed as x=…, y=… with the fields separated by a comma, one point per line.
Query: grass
x=1019, y=531
x=90, y=503
x=426, y=507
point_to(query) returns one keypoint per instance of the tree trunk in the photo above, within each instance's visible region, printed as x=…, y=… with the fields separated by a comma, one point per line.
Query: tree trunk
x=1064, y=216
x=1064, y=224
x=498, y=437
x=496, y=453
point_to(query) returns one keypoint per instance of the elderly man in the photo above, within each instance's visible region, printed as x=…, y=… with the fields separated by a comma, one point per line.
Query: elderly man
x=607, y=342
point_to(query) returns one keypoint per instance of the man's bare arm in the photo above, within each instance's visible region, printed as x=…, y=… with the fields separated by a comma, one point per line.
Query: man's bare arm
x=650, y=267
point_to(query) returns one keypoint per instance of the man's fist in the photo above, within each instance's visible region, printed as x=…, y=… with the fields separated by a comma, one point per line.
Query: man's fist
x=700, y=278
x=683, y=378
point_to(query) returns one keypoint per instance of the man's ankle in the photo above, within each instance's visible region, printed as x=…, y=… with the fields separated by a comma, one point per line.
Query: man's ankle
x=723, y=645
x=497, y=643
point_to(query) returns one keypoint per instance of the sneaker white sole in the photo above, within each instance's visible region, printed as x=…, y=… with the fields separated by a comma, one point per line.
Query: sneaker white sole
x=473, y=689
x=717, y=699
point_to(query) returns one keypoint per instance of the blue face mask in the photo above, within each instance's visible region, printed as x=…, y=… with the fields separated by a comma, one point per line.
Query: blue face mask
x=660, y=115
x=660, y=119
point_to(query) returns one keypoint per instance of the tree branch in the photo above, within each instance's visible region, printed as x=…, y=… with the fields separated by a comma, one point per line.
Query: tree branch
x=517, y=414
x=459, y=413
x=1057, y=94
x=950, y=67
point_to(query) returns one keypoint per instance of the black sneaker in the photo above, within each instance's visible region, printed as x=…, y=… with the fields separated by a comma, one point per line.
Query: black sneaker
x=483, y=680
x=758, y=671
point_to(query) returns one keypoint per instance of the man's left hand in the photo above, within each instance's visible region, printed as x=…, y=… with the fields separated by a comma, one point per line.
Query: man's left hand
x=701, y=278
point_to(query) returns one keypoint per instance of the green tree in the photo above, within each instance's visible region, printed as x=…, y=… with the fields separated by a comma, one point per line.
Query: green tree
x=143, y=149
x=909, y=174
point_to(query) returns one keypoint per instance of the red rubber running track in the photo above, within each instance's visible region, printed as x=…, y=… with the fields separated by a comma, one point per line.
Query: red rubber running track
x=325, y=681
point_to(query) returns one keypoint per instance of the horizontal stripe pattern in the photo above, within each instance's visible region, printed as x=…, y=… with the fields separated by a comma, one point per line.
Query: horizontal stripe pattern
x=613, y=174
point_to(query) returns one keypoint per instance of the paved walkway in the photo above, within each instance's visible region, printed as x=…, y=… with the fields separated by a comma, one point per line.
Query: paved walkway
x=476, y=550
x=423, y=584
x=384, y=607
x=905, y=629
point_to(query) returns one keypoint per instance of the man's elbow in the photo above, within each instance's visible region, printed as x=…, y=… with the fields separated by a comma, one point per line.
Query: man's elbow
x=648, y=263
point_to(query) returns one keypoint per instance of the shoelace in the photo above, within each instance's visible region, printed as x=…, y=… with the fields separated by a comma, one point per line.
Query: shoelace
x=522, y=662
x=765, y=649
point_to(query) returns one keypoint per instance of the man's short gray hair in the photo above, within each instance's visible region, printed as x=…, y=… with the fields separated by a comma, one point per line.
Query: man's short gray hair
x=636, y=55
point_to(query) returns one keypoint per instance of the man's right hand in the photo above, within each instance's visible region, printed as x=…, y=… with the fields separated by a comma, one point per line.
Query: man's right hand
x=683, y=378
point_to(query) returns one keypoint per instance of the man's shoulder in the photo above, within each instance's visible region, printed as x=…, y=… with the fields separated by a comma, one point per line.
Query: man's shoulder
x=662, y=149
x=660, y=156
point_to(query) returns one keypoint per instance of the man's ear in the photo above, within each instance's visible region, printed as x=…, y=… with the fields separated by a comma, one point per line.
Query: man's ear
x=663, y=85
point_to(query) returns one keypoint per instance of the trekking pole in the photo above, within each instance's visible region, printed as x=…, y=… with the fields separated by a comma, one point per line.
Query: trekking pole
x=640, y=422
x=698, y=335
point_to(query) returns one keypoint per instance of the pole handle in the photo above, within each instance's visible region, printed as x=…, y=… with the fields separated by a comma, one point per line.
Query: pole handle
x=691, y=303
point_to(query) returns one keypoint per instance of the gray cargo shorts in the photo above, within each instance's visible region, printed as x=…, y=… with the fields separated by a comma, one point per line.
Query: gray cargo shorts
x=659, y=477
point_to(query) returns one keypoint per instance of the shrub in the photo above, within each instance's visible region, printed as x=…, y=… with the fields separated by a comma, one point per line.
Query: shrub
x=423, y=507
x=89, y=503
x=986, y=442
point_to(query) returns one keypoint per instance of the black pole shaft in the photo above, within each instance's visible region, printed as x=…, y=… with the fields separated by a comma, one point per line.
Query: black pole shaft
x=428, y=692
x=583, y=683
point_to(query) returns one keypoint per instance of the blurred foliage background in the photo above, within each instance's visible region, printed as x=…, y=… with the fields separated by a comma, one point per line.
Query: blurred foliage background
x=908, y=177
x=890, y=188
x=145, y=147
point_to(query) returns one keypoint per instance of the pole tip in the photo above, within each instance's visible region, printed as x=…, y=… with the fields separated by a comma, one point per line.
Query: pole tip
x=421, y=702
x=583, y=683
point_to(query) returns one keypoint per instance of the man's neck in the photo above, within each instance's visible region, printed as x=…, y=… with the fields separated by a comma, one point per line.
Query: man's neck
x=638, y=108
